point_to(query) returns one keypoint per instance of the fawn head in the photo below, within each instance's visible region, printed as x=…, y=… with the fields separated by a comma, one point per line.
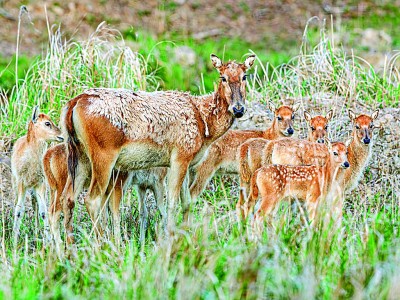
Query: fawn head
x=284, y=116
x=363, y=126
x=233, y=82
x=318, y=126
x=339, y=152
x=43, y=127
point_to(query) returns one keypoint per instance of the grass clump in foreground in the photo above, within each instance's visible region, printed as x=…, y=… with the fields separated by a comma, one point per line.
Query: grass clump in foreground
x=212, y=258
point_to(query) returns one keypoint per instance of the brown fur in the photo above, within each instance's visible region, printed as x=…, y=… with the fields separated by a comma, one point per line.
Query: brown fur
x=221, y=155
x=110, y=142
x=308, y=183
x=27, y=168
x=317, y=126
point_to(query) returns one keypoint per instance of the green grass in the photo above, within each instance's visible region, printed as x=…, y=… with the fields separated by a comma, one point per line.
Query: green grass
x=212, y=257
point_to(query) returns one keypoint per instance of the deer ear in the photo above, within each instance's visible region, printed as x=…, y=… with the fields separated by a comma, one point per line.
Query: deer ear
x=328, y=143
x=249, y=61
x=296, y=107
x=307, y=116
x=329, y=115
x=348, y=142
x=271, y=106
x=35, y=114
x=352, y=115
x=216, y=61
x=375, y=114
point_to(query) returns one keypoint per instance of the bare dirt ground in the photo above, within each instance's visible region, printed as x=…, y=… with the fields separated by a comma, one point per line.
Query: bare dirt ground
x=274, y=22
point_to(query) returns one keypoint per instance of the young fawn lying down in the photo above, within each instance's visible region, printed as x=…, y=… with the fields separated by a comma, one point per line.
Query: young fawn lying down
x=308, y=183
x=26, y=166
x=251, y=154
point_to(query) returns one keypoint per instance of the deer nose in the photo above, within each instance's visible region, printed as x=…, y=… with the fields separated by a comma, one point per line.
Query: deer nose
x=367, y=141
x=320, y=141
x=238, y=112
x=290, y=131
x=346, y=164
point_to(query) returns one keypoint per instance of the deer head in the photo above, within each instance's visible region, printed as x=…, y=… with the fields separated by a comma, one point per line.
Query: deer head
x=233, y=82
x=339, y=152
x=284, y=116
x=363, y=126
x=318, y=126
x=42, y=127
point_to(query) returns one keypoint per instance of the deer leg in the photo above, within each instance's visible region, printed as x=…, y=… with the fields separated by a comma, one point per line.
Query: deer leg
x=68, y=201
x=54, y=216
x=204, y=171
x=143, y=212
x=160, y=194
x=240, y=205
x=176, y=175
x=41, y=199
x=185, y=198
x=19, y=210
x=102, y=168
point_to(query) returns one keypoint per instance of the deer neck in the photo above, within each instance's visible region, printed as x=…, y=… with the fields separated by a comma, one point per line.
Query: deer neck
x=273, y=131
x=214, y=114
x=35, y=143
x=358, y=157
x=331, y=173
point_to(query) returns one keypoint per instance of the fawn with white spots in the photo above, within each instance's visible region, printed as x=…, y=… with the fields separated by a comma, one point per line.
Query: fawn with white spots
x=307, y=183
x=251, y=154
x=26, y=166
x=221, y=155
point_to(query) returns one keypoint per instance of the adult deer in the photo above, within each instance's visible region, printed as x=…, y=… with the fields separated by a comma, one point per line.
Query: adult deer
x=26, y=166
x=221, y=155
x=308, y=183
x=118, y=129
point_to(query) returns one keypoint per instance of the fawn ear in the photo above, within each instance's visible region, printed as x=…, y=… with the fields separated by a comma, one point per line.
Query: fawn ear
x=348, y=141
x=296, y=107
x=328, y=143
x=352, y=115
x=35, y=114
x=375, y=114
x=271, y=106
x=216, y=61
x=249, y=61
x=329, y=115
x=307, y=116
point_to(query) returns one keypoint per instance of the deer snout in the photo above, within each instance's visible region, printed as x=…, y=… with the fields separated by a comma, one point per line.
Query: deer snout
x=238, y=111
x=290, y=131
x=321, y=141
x=346, y=164
x=366, y=140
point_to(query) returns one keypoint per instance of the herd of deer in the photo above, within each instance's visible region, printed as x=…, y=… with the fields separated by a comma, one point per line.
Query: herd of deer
x=118, y=137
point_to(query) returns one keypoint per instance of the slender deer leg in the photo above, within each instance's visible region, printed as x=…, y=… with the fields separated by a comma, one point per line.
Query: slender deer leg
x=41, y=199
x=19, y=210
x=185, y=198
x=143, y=212
x=160, y=195
x=54, y=217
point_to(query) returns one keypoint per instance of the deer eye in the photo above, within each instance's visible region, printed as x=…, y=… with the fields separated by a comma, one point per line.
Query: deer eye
x=326, y=127
x=293, y=117
x=48, y=124
x=371, y=126
x=244, y=77
x=312, y=128
x=223, y=79
x=335, y=153
x=357, y=126
x=347, y=153
x=279, y=118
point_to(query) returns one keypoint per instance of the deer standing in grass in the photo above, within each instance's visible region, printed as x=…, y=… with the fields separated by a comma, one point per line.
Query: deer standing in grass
x=56, y=172
x=116, y=129
x=26, y=166
x=308, y=183
x=221, y=155
x=300, y=152
x=250, y=154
